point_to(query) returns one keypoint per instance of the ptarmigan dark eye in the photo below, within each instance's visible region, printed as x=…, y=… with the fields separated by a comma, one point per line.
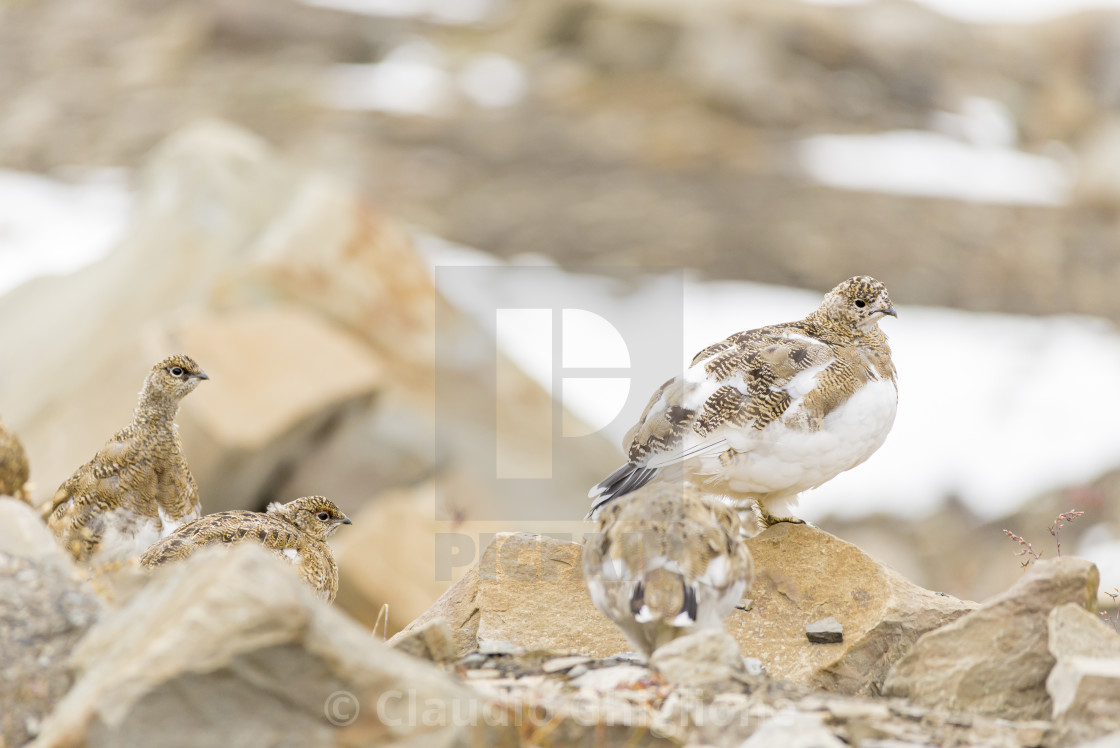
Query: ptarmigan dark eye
x=323, y=516
x=861, y=303
x=176, y=371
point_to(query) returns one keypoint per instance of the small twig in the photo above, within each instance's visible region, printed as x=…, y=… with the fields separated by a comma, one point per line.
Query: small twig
x=383, y=621
x=1059, y=522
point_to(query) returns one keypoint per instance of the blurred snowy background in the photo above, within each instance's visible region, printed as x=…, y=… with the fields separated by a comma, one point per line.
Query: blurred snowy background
x=965, y=153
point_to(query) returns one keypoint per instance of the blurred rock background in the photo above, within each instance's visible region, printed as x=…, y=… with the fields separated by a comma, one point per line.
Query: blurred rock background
x=275, y=248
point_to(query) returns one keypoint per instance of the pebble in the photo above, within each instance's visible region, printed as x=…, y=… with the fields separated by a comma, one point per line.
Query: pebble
x=564, y=663
x=825, y=631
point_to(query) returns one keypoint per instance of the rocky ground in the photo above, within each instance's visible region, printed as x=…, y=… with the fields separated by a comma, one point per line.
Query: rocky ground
x=642, y=141
x=231, y=648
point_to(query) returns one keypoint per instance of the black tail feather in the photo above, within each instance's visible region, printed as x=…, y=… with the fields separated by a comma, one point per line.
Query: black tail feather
x=689, y=606
x=622, y=481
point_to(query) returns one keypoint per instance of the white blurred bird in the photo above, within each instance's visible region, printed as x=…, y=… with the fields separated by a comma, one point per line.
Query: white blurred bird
x=666, y=562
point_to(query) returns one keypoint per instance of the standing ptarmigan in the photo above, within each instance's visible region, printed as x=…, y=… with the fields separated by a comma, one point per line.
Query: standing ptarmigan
x=297, y=531
x=666, y=562
x=769, y=413
x=14, y=470
x=137, y=488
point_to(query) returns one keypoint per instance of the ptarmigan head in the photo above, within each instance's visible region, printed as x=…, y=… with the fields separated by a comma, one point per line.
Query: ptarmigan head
x=316, y=516
x=858, y=303
x=173, y=378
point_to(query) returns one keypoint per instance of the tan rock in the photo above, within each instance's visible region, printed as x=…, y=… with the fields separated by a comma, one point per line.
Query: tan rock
x=232, y=649
x=1084, y=685
x=527, y=590
x=1077, y=632
x=1086, y=698
x=24, y=534
x=432, y=641
x=706, y=657
x=803, y=575
x=793, y=730
x=995, y=660
x=45, y=612
x=1099, y=160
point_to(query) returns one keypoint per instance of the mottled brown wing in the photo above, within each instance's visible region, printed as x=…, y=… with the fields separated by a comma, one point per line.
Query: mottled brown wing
x=97, y=478
x=223, y=527
x=743, y=381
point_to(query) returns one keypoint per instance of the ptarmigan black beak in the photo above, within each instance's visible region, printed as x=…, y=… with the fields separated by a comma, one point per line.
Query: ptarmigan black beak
x=200, y=375
x=346, y=521
x=890, y=310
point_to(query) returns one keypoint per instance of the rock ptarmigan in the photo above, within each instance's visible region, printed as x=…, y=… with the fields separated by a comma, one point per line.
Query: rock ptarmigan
x=14, y=470
x=138, y=487
x=769, y=413
x=296, y=531
x=666, y=561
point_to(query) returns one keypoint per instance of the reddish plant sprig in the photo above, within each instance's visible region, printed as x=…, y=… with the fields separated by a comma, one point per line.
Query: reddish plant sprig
x=1027, y=550
x=1060, y=522
x=1114, y=617
x=1055, y=529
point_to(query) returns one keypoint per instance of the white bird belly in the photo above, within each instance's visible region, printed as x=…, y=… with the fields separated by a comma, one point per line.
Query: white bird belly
x=781, y=459
x=124, y=536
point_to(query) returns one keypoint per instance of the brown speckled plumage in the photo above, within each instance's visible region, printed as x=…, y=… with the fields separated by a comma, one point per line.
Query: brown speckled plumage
x=778, y=394
x=138, y=487
x=14, y=470
x=666, y=561
x=296, y=531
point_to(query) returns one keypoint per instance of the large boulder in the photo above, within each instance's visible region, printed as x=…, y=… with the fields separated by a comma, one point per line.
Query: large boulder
x=527, y=590
x=995, y=660
x=44, y=612
x=233, y=649
x=1084, y=684
x=1086, y=697
x=804, y=575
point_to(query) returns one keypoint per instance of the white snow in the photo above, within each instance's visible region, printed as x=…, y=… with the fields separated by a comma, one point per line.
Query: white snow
x=463, y=12
x=929, y=164
x=52, y=227
x=999, y=11
x=979, y=416
x=449, y=12
x=493, y=81
x=411, y=80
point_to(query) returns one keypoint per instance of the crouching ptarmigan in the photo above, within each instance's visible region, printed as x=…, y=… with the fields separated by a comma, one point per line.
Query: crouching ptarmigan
x=666, y=562
x=296, y=531
x=14, y=470
x=769, y=413
x=138, y=487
